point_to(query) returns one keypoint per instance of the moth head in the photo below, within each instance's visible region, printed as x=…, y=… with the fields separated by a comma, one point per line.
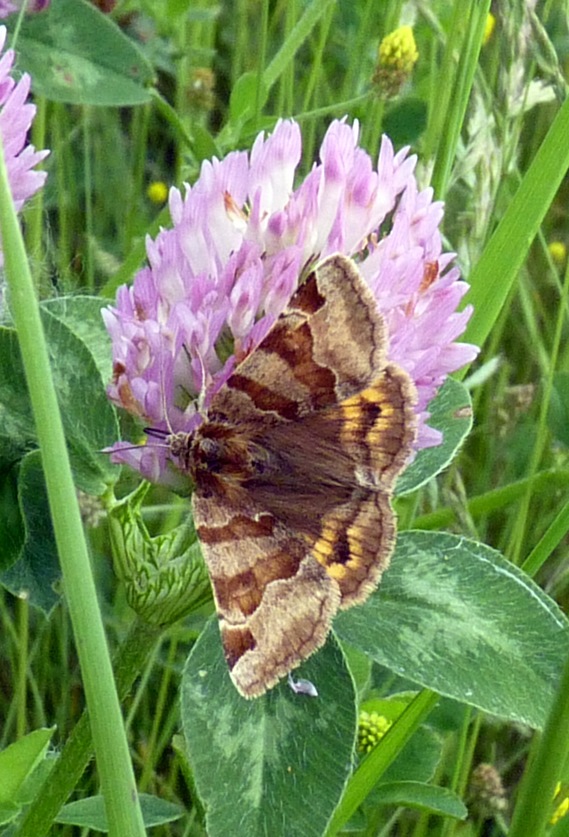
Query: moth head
x=180, y=446
x=200, y=457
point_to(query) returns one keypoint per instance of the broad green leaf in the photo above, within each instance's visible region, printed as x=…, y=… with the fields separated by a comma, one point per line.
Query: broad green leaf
x=417, y=760
x=455, y=616
x=449, y=716
x=424, y=797
x=19, y=760
x=90, y=812
x=37, y=569
x=29, y=789
x=8, y=812
x=88, y=417
x=17, y=431
x=76, y=54
x=89, y=420
x=274, y=765
x=360, y=667
x=82, y=315
x=451, y=413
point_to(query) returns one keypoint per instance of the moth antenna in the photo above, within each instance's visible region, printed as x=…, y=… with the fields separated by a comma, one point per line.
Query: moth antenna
x=156, y=433
x=146, y=430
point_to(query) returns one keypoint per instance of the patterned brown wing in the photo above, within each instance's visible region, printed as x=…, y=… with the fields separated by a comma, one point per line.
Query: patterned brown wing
x=328, y=345
x=337, y=469
x=274, y=601
x=294, y=469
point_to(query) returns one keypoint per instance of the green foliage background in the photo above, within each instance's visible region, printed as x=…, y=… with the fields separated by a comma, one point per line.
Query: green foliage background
x=459, y=647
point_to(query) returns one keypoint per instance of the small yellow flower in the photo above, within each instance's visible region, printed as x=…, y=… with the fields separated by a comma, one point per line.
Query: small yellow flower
x=397, y=55
x=558, y=252
x=371, y=728
x=489, y=27
x=562, y=807
x=398, y=50
x=157, y=191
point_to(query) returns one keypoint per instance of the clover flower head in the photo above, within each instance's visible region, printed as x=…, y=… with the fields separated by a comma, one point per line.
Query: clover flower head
x=241, y=237
x=16, y=116
x=8, y=8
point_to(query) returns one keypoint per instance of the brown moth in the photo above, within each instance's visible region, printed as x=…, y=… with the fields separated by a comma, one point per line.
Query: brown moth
x=293, y=468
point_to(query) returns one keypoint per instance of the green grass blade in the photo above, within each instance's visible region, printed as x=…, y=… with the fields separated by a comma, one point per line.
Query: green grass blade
x=494, y=275
x=372, y=767
x=113, y=759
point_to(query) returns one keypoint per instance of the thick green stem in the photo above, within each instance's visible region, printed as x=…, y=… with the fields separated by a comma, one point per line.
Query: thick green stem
x=78, y=749
x=111, y=746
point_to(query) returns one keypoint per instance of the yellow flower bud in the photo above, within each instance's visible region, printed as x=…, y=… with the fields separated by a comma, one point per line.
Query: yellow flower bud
x=397, y=55
x=157, y=191
x=558, y=252
x=489, y=27
x=371, y=728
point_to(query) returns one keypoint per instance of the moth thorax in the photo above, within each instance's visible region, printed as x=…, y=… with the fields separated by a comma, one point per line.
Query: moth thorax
x=219, y=451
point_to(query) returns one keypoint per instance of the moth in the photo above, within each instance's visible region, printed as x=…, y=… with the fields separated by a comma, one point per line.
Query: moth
x=294, y=467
